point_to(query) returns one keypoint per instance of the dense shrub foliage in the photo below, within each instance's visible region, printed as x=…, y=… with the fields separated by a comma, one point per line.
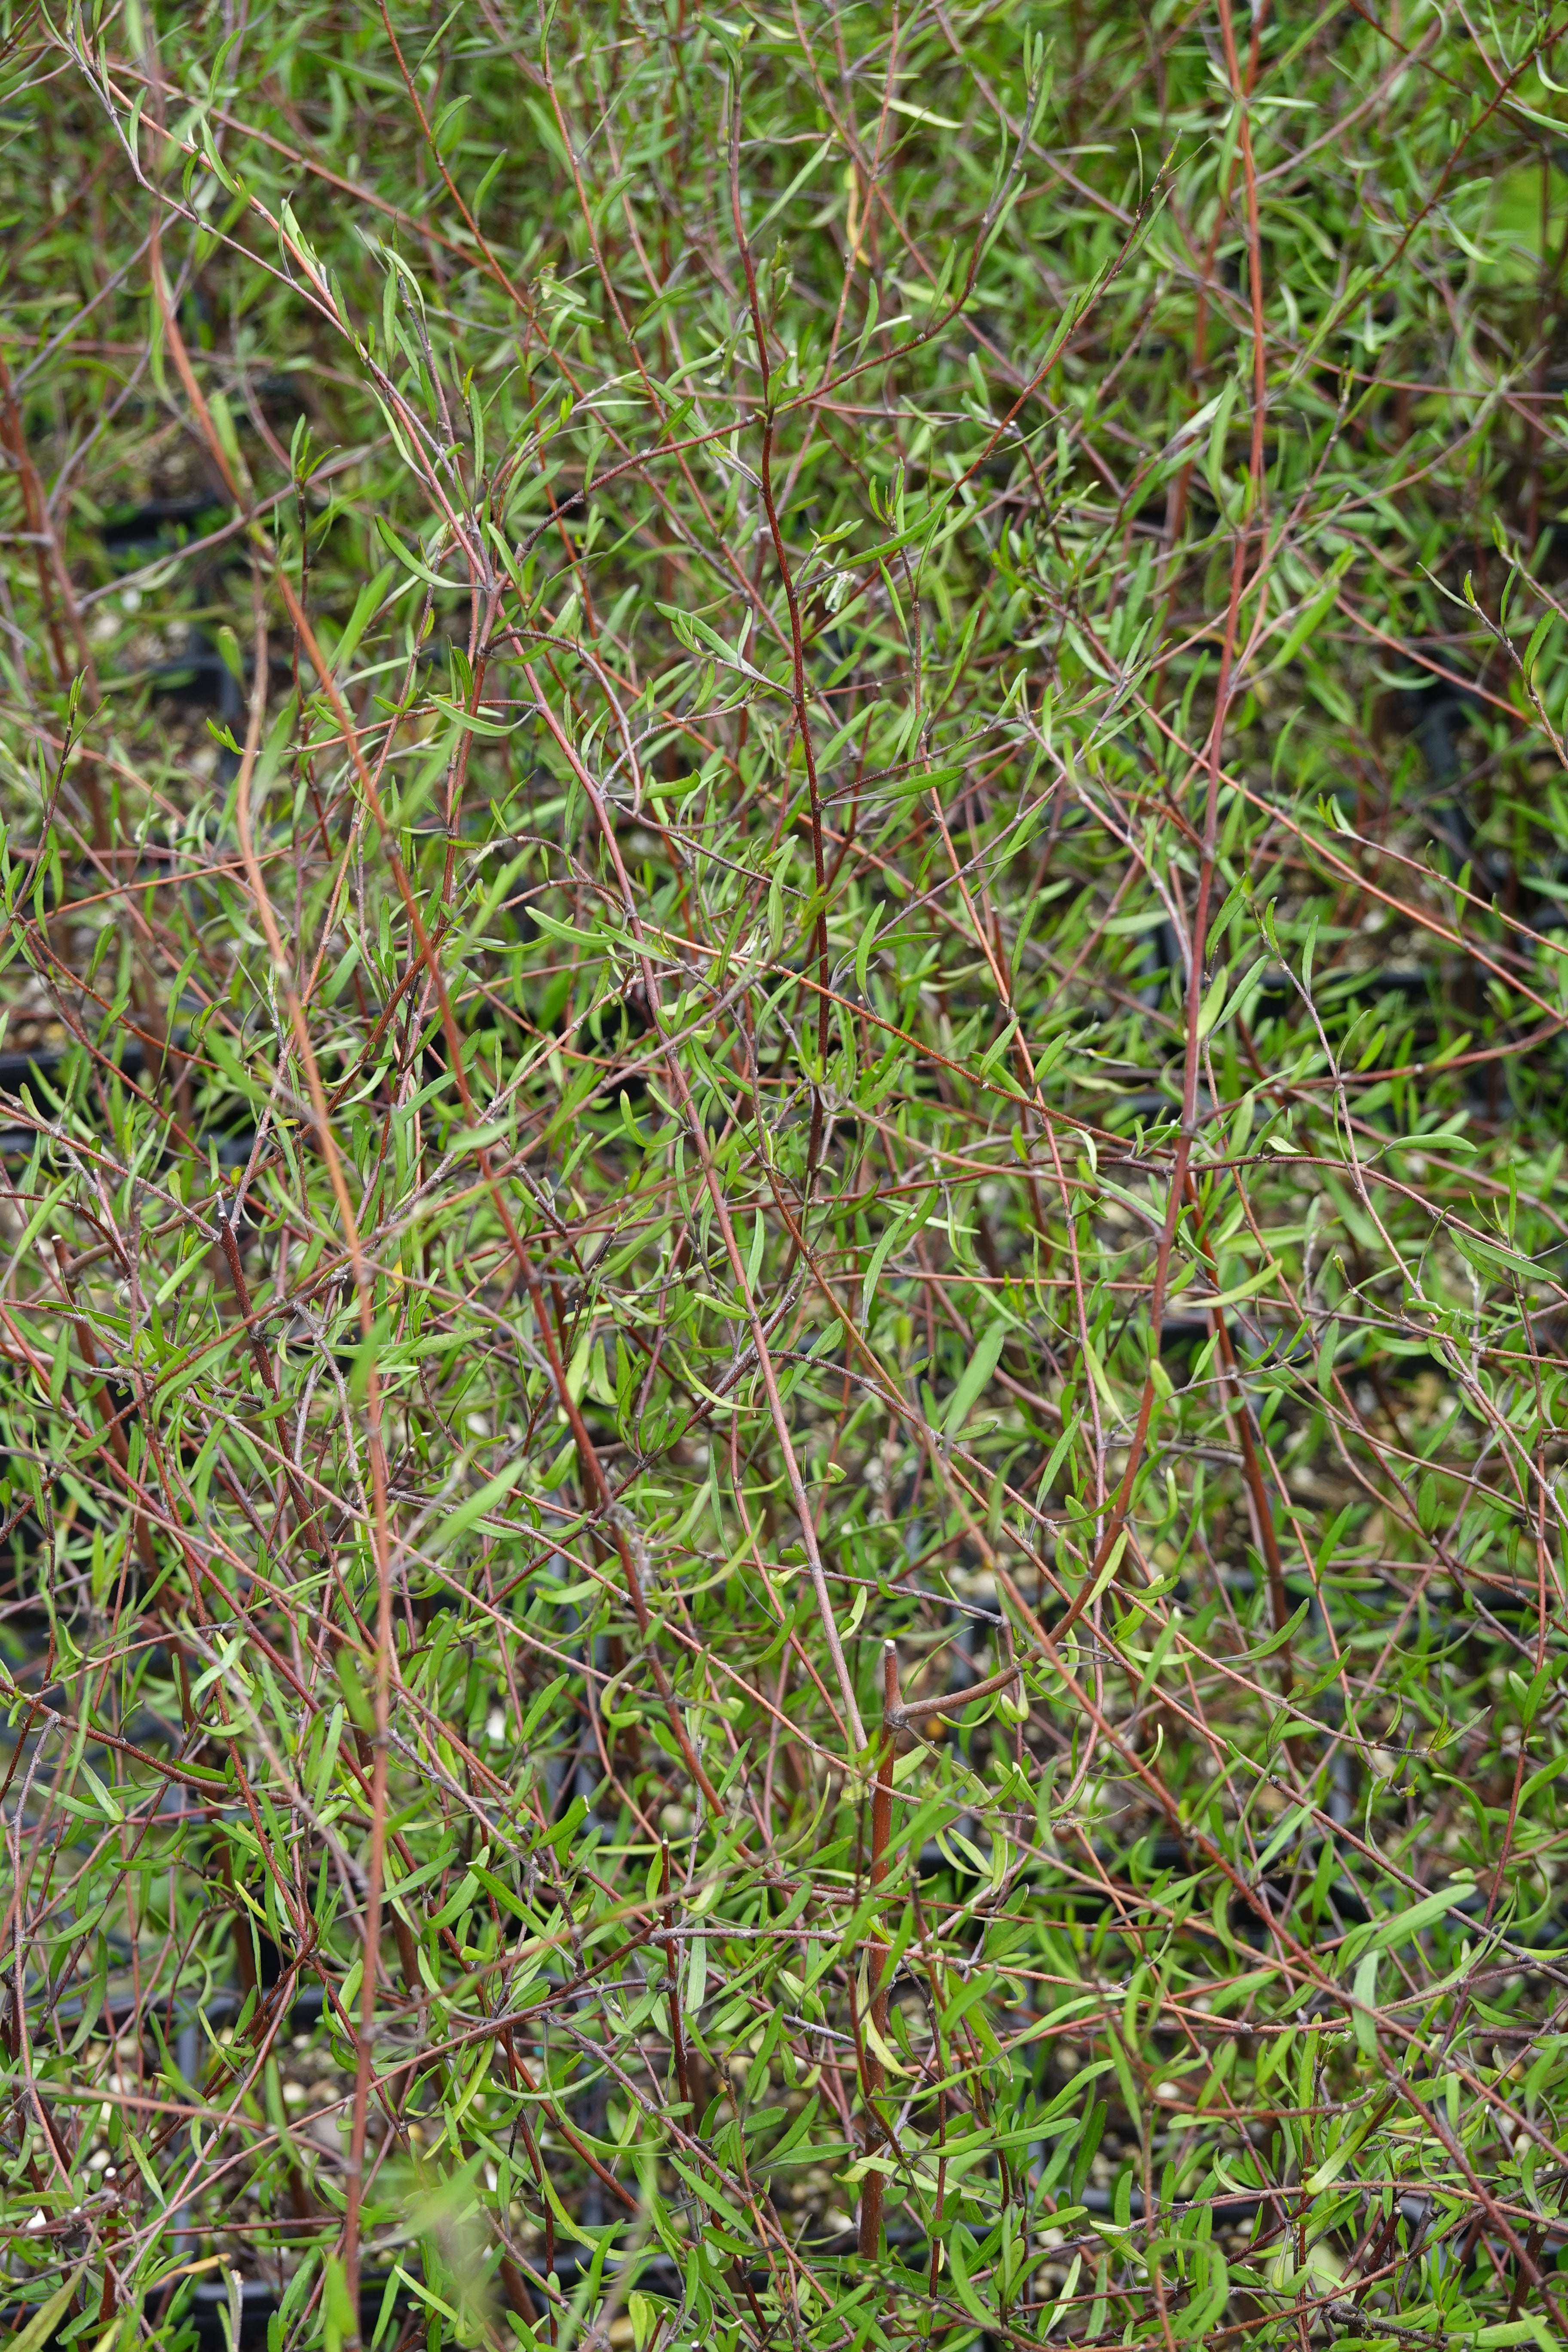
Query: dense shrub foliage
x=783, y=1099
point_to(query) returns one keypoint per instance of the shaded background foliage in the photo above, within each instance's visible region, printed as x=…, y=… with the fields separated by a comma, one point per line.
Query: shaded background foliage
x=784, y=1088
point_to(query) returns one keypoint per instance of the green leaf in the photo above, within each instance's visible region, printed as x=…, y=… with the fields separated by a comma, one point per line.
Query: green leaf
x=976, y=1375
x=475, y=722
x=1390, y=1934
x=40, y=2328
x=474, y=1507
x=1315, y=611
x=1363, y=2017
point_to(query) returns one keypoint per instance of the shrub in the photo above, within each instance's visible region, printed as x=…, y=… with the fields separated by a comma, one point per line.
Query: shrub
x=783, y=1315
